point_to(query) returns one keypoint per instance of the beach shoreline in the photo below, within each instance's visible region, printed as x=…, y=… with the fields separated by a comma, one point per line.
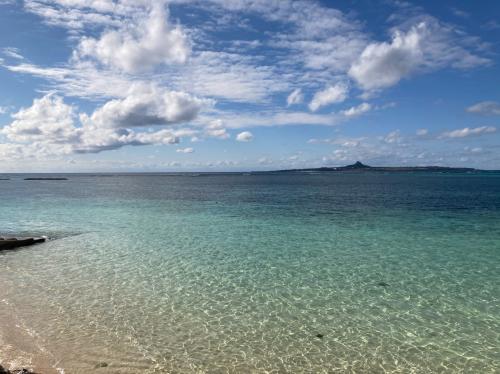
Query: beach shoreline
x=20, y=347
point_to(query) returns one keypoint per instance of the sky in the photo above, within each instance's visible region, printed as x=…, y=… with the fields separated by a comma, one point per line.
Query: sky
x=228, y=85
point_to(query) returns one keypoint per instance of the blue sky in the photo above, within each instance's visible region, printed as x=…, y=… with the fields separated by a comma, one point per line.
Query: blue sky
x=181, y=85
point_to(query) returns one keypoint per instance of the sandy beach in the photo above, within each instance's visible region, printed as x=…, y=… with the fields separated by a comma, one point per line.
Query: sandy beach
x=20, y=347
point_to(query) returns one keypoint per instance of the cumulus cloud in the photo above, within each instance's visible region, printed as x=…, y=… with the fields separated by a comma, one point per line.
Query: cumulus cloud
x=49, y=120
x=147, y=105
x=426, y=45
x=357, y=110
x=141, y=47
x=330, y=95
x=185, y=150
x=95, y=139
x=295, y=97
x=52, y=127
x=216, y=129
x=485, y=108
x=245, y=136
x=466, y=132
x=422, y=132
x=384, y=64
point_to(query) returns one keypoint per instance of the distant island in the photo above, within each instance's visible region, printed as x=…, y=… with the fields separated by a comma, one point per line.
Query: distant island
x=360, y=167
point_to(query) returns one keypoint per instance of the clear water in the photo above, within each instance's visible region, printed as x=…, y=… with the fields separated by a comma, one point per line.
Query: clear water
x=239, y=273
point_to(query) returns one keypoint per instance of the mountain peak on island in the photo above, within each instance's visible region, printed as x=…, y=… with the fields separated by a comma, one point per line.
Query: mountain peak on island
x=357, y=165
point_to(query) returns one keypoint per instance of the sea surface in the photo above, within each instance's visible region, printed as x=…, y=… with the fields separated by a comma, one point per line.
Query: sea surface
x=237, y=273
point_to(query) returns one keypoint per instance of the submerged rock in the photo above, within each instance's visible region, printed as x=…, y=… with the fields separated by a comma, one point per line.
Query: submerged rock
x=11, y=243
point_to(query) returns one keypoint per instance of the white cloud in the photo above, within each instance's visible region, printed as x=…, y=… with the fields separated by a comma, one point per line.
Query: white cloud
x=49, y=120
x=342, y=141
x=357, y=110
x=466, y=132
x=216, y=129
x=185, y=150
x=265, y=161
x=230, y=76
x=460, y=13
x=384, y=64
x=393, y=137
x=76, y=15
x=95, y=139
x=295, y=97
x=334, y=53
x=71, y=14
x=52, y=127
x=81, y=80
x=396, y=150
x=485, y=108
x=12, y=53
x=319, y=37
x=245, y=136
x=139, y=47
x=238, y=120
x=330, y=95
x=473, y=149
x=422, y=132
x=147, y=105
x=426, y=45
x=491, y=25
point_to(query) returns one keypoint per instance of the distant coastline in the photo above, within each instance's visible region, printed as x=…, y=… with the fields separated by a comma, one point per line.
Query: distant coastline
x=360, y=167
x=356, y=167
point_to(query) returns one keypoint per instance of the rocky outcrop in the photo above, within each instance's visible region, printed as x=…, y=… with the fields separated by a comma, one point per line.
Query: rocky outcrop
x=16, y=371
x=12, y=243
x=45, y=179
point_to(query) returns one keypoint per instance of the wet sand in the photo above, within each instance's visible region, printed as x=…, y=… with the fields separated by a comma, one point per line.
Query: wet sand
x=19, y=347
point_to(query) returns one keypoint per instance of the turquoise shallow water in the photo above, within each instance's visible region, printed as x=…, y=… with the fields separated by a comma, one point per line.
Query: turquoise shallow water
x=239, y=273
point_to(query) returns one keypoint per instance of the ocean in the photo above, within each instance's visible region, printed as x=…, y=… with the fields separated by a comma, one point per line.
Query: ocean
x=240, y=273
